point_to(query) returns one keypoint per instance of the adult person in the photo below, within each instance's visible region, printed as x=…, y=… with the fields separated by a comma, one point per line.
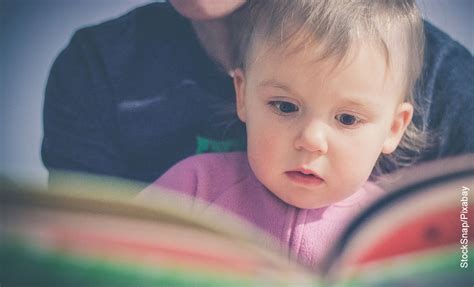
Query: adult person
x=132, y=96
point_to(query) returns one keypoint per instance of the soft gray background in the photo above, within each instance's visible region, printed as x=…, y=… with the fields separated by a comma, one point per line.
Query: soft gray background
x=33, y=32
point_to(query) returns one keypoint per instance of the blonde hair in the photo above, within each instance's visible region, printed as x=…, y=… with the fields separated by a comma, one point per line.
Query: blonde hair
x=334, y=26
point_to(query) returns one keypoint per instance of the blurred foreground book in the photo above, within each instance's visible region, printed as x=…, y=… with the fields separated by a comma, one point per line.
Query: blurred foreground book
x=86, y=231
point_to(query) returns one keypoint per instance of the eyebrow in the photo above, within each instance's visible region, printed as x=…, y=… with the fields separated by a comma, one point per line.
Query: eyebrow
x=346, y=100
x=275, y=84
x=366, y=106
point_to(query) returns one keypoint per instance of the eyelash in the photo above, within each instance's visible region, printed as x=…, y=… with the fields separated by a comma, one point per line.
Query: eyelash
x=277, y=105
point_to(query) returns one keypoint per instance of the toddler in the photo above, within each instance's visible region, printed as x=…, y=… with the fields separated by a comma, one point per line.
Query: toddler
x=324, y=89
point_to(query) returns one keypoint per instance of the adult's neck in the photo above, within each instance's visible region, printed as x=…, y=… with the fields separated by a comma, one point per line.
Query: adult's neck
x=214, y=36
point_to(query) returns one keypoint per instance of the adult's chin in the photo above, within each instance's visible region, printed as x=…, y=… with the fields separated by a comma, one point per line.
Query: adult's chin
x=201, y=10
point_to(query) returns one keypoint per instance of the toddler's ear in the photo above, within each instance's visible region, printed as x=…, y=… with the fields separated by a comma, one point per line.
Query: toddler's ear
x=239, y=86
x=400, y=122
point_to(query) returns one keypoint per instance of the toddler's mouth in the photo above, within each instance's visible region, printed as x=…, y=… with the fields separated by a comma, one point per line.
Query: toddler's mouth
x=304, y=177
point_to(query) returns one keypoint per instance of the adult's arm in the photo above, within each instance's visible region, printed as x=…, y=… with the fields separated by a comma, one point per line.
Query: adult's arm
x=448, y=95
x=129, y=97
x=78, y=113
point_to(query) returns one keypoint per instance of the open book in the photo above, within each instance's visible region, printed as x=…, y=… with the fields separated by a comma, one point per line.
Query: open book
x=91, y=232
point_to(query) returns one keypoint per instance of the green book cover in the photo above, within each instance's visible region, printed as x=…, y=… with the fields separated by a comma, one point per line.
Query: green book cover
x=90, y=231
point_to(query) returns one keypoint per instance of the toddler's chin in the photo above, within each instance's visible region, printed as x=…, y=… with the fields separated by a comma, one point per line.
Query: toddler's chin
x=309, y=206
x=304, y=204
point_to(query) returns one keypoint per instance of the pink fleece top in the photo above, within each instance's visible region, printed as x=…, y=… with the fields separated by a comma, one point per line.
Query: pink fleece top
x=226, y=180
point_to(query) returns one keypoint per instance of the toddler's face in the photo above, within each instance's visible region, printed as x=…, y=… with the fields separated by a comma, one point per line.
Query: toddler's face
x=315, y=131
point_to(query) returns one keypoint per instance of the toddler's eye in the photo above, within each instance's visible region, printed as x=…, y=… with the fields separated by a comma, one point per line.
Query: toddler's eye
x=347, y=119
x=284, y=107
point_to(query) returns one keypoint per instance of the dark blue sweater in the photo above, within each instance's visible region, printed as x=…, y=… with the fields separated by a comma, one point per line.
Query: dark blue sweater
x=132, y=96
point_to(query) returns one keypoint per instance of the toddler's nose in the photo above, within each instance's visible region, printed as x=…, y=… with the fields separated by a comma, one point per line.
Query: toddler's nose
x=313, y=138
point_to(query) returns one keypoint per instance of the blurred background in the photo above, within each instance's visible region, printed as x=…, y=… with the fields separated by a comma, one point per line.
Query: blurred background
x=33, y=32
